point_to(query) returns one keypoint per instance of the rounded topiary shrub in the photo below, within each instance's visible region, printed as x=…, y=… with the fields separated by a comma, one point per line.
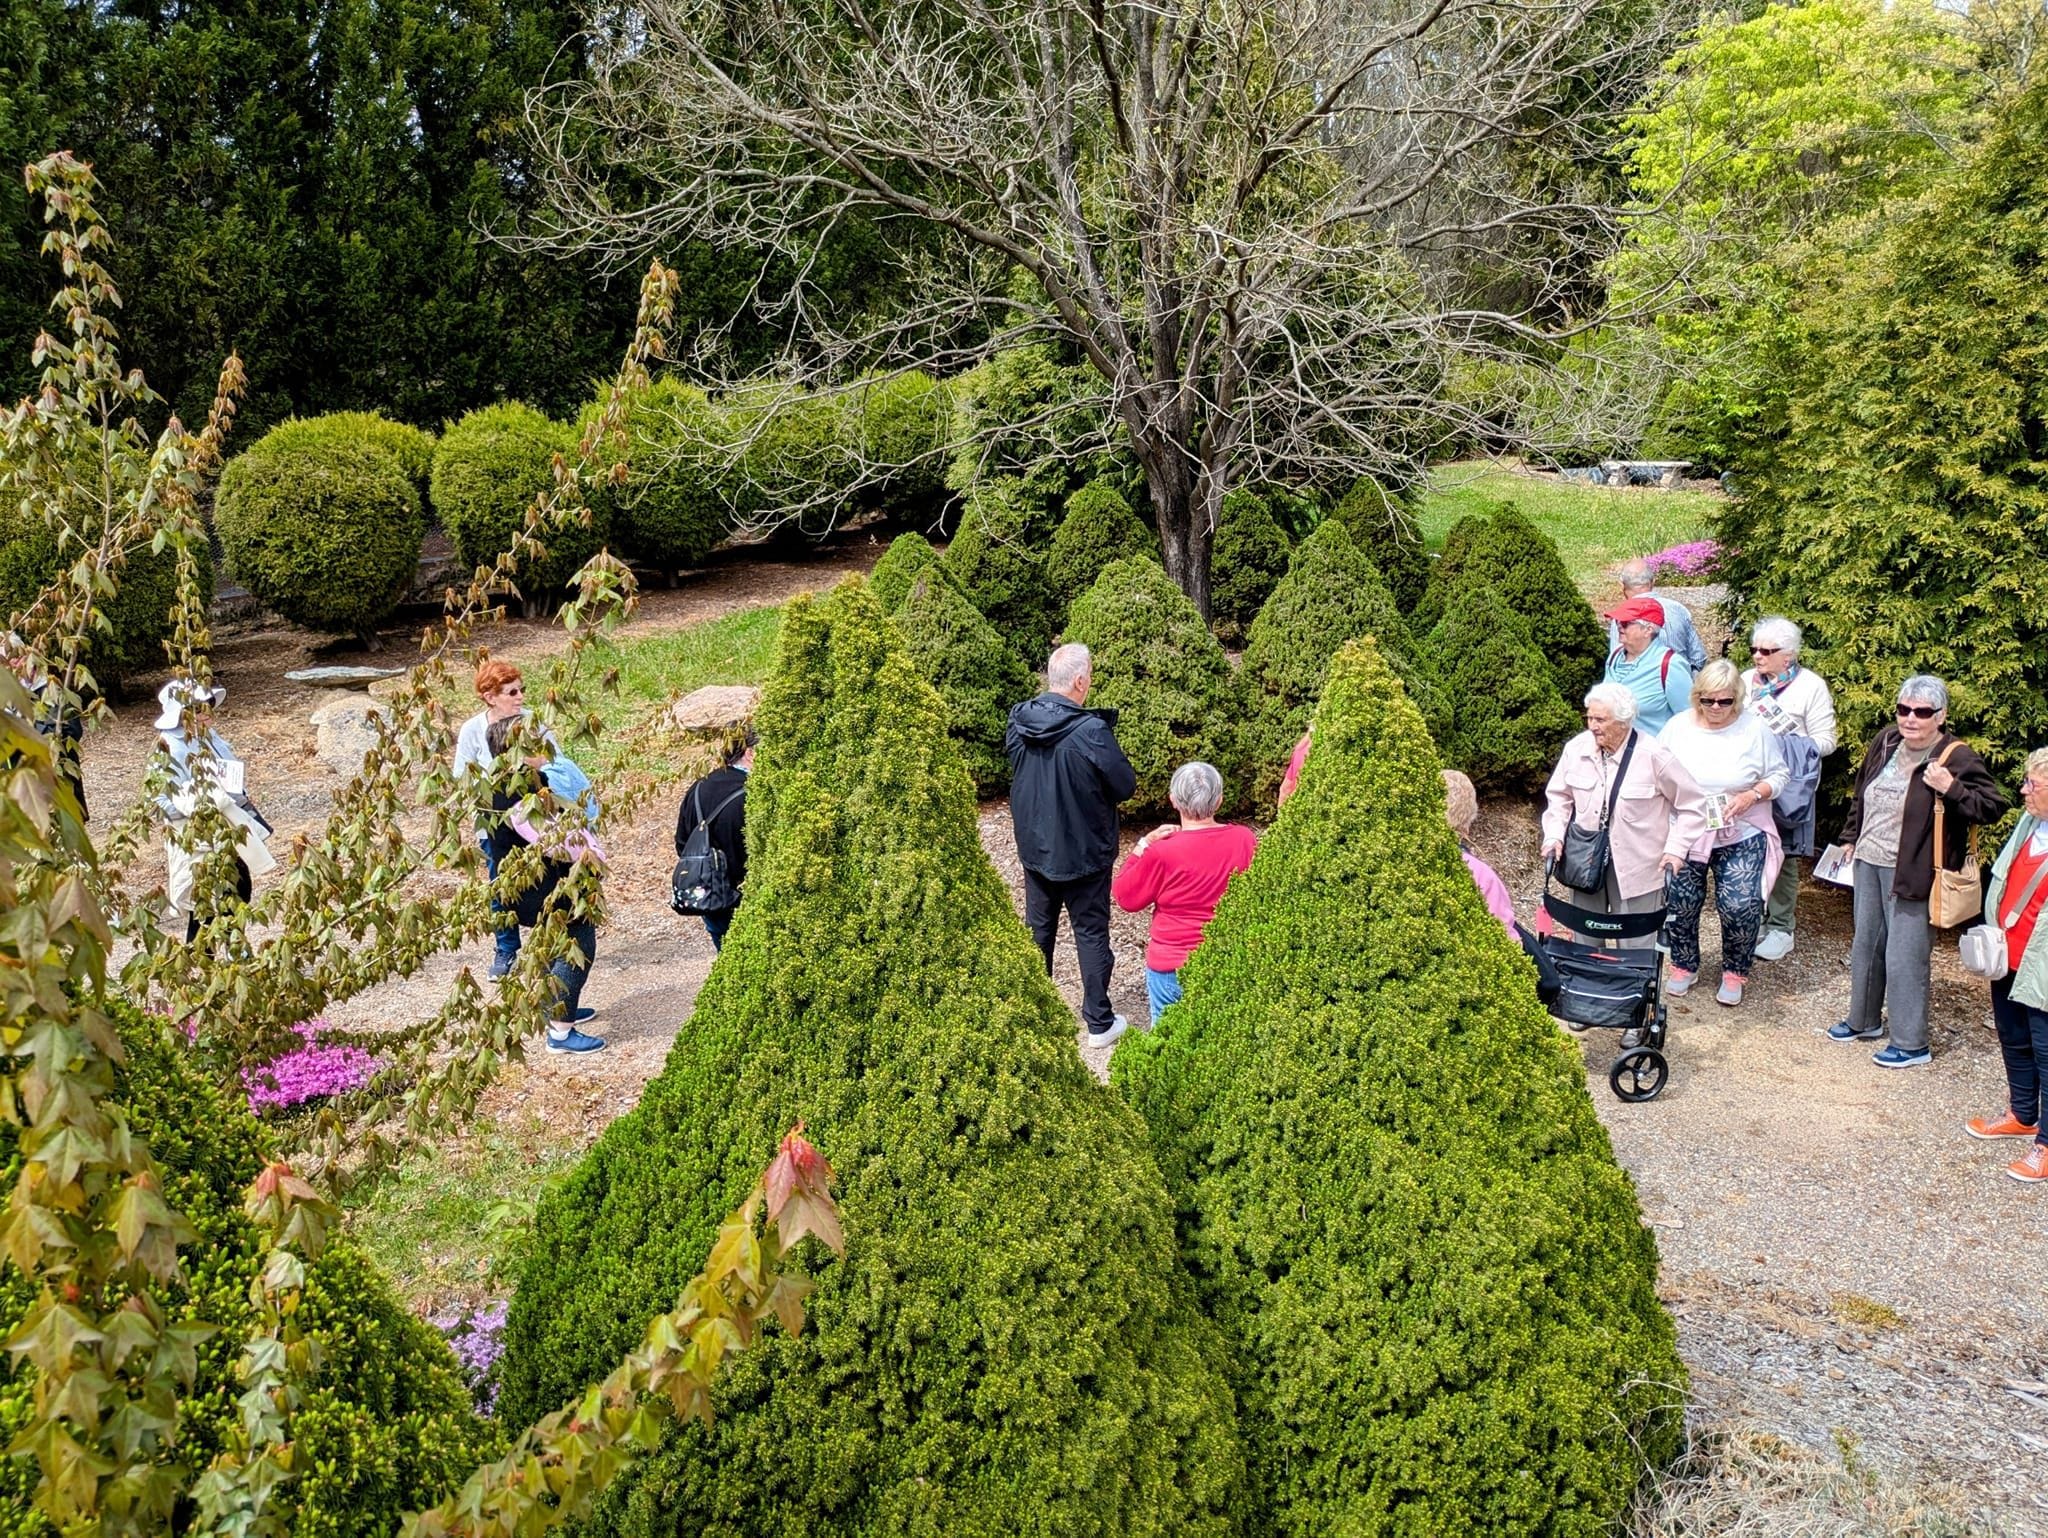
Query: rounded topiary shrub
x=322, y=525
x=976, y=675
x=1008, y=1344
x=1505, y=719
x=908, y=557
x=488, y=468
x=1159, y=668
x=1099, y=527
x=904, y=427
x=669, y=511
x=1330, y=595
x=1247, y=559
x=1384, y=527
x=1393, y=1192
x=387, y=1425
x=997, y=559
x=411, y=447
x=796, y=463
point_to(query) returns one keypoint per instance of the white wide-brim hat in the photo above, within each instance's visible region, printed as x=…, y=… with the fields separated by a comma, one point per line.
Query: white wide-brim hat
x=180, y=694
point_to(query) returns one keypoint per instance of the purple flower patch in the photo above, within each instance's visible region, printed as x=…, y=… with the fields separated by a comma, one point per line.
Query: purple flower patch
x=475, y=1336
x=1693, y=559
x=309, y=1072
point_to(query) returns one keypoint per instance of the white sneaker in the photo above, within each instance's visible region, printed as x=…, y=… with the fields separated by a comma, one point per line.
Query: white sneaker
x=1111, y=1036
x=1775, y=945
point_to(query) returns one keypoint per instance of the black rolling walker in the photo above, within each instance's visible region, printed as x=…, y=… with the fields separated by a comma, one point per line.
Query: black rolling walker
x=1606, y=989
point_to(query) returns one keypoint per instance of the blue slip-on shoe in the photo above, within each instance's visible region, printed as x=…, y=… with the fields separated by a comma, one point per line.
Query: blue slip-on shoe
x=500, y=969
x=576, y=1017
x=575, y=1041
x=1895, y=1057
x=1842, y=1030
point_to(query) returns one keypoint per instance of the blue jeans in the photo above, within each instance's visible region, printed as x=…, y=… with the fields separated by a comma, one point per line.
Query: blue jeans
x=569, y=975
x=716, y=924
x=2023, y=1043
x=1161, y=989
x=506, y=937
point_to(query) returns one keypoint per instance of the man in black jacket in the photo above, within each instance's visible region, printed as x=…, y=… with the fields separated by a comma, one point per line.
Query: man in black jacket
x=721, y=799
x=1067, y=776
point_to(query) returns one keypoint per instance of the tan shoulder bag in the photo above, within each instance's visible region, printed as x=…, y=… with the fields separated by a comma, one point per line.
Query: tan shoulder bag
x=1957, y=896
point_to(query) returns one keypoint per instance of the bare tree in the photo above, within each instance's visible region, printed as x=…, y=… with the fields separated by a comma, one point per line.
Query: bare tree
x=1290, y=238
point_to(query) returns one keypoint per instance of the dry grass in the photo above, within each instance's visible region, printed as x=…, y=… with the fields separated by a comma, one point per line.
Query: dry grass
x=1749, y=1484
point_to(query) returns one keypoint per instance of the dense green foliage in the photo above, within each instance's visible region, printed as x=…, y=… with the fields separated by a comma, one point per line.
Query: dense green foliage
x=1504, y=551
x=998, y=560
x=905, y=421
x=908, y=557
x=1504, y=719
x=1098, y=527
x=1331, y=595
x=1393, y=1191
x=487, y=469
x=388, y=1425
x=1901, y=513
x=1029, y=416
x=322, y=523
x=412, y=447
x=1246, y=561
x=671, y=509
x=1159, y=668
x=977, y=676
x=1384, y=527
x=1007, y=1346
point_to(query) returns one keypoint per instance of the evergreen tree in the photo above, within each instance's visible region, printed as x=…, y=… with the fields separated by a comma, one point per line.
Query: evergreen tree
x=1504, y=719
x=998, y=560
x=1008, y=1344
x=908, y=557
x=1503, y=550
x=976, y=675
x=1247, y=561
x=1393, y=1191
x=1382, y=525
x=1097, y=528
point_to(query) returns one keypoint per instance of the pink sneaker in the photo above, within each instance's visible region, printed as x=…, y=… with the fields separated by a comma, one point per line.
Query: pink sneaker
x=1677, y=984
x=1731, y=990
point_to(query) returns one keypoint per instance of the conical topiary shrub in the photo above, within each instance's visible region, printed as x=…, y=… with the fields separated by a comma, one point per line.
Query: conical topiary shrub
x=1247, y=559
x=1008, y=1345
x=977, y=676
x=998, y=560
x=1330, y=595
x=1382, y=525
x=1509, y=554
x=908, y=557
x=1393, y=1190
x=1099, y=527
x=1504, y=719
x=1159, y=668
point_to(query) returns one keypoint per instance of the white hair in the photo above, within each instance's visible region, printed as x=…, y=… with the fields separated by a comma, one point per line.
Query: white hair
x=1619, y=699
x=1636, y=573
x=1068, y=666
x=1776, y=630
x=1196, y=789
x=1925, y=688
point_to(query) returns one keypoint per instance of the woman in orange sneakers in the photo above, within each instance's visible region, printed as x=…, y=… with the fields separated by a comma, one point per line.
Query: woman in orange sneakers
x=2019, y=1000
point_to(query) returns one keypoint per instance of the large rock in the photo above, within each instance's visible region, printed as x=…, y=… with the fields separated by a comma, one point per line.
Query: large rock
x=345, y=729
x=715, y=708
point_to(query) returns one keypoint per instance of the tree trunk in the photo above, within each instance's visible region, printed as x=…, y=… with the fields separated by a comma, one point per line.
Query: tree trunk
x=1184, y=530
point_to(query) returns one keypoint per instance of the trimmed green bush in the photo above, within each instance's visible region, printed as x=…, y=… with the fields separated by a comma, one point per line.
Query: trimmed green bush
x=1330, y=595
x=1383, y=526
x=1503, y=550
x=488, y=468
x=1394, y=1193
x=1504, y=717
x=1247, y=559
x=998, y=560
x=907, y=558
x=671, y=510
x=388, y=1425
x=1099, y=527
x=1027, y=416
x=412, y=447
x=322, y=524
x=797, y=466
x=1007, y=1346
x=906, y=421
x=977, y=676
x=1159, y=668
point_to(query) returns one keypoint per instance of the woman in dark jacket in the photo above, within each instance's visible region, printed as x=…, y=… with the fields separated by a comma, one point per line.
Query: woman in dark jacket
x=1891, y=831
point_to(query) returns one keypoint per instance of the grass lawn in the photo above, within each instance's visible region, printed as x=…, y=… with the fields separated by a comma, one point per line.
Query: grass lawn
x=1594, y=526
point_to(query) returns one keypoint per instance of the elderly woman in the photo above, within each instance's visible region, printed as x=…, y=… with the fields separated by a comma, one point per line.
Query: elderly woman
x=1180, y=873
x=1734, y=759
x=204, y=769
x=1461, y=809
x=1650, y=670
x=1890, y=833
x=2019, y=1000
x=502, y=689
x=1793, y=702
x=1616, y=776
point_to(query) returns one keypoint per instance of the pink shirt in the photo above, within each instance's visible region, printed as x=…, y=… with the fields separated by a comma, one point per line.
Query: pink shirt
x=1181, y=878
x=1658, y=812
x=1292, y=777
x=1494, y=890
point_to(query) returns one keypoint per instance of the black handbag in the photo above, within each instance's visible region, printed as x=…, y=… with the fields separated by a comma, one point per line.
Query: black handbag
x=1582, y=864
x=701, y=883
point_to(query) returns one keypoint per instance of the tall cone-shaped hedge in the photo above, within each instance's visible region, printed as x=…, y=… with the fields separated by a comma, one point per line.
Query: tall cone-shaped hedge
x=1009, y=1345
x=907, y=558
x=1504, y=550
x=978, y=677
x=1393, y=1191
x=1504, y=719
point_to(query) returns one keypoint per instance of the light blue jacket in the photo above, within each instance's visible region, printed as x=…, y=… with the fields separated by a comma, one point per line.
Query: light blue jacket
x=2029, y=971
x=1678, y=633
x=1661, y=692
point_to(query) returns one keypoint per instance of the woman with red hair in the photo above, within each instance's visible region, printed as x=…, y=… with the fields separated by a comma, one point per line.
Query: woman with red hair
x=502, y=688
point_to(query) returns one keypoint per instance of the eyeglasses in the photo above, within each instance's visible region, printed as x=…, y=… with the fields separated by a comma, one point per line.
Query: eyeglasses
x=1765, y=651
x=1919, y=712
x=1721, y=700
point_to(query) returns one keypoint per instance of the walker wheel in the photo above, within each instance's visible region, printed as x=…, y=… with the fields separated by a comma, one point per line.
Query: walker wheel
x=1638, y=1074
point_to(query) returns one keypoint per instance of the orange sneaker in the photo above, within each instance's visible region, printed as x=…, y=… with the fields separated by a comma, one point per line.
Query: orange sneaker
x=2007, y=1125
x=2034, y=1167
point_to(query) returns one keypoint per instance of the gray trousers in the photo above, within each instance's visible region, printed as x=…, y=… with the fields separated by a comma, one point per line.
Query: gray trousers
x=1888, y=962
x=1784, y=894
x=1609, y=900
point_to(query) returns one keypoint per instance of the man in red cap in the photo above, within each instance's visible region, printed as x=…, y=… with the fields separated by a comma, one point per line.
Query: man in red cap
x=1642, y=664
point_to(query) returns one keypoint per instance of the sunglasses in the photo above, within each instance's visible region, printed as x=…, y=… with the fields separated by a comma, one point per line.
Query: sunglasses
x=1919, y=712
x=1765, y=651
x=1720, y=699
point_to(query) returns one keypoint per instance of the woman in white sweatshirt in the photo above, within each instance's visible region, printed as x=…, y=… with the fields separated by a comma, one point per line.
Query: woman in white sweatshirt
x=1789, y=698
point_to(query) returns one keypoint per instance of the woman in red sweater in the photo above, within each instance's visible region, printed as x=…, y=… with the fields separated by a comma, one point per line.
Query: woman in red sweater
x=1180, y=873
x=2019, y=1000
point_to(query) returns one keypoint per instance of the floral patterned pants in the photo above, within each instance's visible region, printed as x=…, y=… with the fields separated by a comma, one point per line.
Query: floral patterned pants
x=1738, y=872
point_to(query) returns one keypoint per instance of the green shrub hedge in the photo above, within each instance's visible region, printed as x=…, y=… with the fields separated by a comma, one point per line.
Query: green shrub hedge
x=488, y=467
x=1502, y=550
x=387, y=1426
x=797, y=466
x=998, y=560
x=1007, y=1346
x=1247, y=559
x=412, y=447
x=1383, y=525
x=322, y=523
x=1504, y=717
x=975, y=673
x=671, y=509
x=906, y=422
x=1394, y=1193
x=1097, y=528
x=1159, y=668
x=908, y=557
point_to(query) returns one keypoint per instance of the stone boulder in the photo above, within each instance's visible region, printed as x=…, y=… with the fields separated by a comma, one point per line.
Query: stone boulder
x=715, y=710
x=345, y=729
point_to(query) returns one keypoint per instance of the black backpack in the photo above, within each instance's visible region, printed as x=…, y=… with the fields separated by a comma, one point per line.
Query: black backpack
x=701, y=883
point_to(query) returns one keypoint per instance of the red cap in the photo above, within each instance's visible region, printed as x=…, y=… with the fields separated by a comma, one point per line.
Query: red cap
x=1637, y=609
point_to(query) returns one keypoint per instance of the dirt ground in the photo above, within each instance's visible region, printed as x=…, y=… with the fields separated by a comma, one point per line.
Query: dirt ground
x=1847, y=1268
